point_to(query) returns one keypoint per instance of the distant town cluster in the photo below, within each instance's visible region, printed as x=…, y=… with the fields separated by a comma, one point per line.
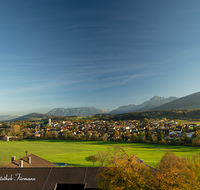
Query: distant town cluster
x=162, y=131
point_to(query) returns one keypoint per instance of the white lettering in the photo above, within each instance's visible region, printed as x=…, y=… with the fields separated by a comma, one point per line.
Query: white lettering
x=17, y=177
x=6, y=178
x=20, y=178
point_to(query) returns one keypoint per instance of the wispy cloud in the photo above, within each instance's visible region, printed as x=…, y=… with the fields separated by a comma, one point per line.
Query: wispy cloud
x=116, y=85
x=48, y=86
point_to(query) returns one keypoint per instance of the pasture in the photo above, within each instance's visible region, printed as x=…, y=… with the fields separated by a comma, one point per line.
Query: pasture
x=189, y=122
x=74, y=152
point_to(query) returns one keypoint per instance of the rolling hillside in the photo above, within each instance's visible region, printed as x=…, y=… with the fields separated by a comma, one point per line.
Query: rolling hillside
x=32, y=116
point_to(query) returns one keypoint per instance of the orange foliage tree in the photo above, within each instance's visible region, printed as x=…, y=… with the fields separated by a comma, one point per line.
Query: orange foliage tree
x=176, y=173
x=124, y=172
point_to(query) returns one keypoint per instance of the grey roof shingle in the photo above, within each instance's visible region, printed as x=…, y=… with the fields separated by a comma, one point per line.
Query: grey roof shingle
x=35, y=162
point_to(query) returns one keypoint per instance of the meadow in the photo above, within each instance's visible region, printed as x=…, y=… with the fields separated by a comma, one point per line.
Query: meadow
x=74, y=152
x=189, y=122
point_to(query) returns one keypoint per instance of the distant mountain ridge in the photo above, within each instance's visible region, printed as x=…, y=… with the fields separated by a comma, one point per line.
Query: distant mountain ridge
x=81, y=111
x=191, y=101
x=31, y=116
x=145, y=106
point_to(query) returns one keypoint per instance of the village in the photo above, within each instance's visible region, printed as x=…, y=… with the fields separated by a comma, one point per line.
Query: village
x=155, y=131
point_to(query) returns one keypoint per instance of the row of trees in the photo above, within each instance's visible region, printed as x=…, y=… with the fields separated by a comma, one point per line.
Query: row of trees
x=94, y=136
x=146, y=137
x=125, y=172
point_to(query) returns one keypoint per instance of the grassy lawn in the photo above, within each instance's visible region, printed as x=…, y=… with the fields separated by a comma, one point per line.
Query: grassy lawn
x=74, y=152
x=189, y=122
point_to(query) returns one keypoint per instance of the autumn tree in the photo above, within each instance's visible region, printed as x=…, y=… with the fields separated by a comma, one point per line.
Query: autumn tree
x=141, y=137
x=134, y=137
x=154, y=138
x=46, y=135
x=68, y=135
x=196, y=140
x=175, y=173
x=20, y=136
x=146, y=121
x=80, y=136
x=88, y=136
x=28, y=134
x=15, y=129
x=124, y=172
x=104, y=137
x=116, y=132
x=128, y=134
x=54, y=135
x=95, y=136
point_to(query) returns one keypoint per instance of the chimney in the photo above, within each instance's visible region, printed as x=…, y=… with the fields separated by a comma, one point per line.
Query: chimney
x=141, y=161
x=21, y=163
x=29, y=160
x=13, y=158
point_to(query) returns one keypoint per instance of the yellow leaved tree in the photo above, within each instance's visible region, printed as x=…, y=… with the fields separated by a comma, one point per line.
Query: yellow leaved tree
x=123, y=172
x=175, y=173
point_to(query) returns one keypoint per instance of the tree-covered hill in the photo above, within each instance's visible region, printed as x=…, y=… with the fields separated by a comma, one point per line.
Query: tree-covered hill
x=169, y=114
x=32, y=116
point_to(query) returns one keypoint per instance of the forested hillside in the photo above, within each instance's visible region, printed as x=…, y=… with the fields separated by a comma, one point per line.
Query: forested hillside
x=169, y=114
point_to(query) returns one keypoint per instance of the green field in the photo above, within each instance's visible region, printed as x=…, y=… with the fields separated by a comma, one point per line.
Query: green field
x=189, y=122
x=74, y=152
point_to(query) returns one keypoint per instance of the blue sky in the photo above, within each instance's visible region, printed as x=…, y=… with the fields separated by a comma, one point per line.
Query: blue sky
x=96, y=53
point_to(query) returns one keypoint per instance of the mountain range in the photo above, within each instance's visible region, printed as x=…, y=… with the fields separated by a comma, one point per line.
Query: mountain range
x=85, y=111
x=191, y=101
x=82, y=111
x=145, y=106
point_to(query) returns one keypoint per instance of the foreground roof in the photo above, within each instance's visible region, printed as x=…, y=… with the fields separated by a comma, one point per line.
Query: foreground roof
x=35, y=161
x=47, y=178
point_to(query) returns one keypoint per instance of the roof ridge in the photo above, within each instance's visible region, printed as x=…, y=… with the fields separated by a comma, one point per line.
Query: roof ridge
x=38, y=157
x=35, y=161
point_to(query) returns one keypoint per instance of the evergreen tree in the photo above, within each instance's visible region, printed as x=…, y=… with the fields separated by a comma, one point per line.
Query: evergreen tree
x=161, y=135
x=148, y=136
